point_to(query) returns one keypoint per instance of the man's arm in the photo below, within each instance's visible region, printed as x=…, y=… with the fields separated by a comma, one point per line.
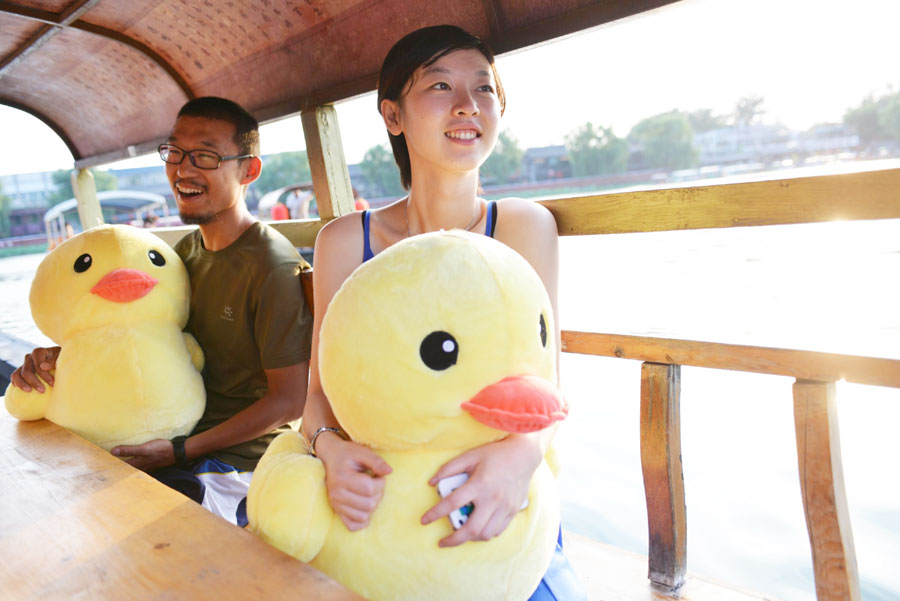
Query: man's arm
x=284, y=402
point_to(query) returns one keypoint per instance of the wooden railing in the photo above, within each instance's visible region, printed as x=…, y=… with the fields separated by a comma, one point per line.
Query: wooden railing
x=868, y=195
x=856, y=196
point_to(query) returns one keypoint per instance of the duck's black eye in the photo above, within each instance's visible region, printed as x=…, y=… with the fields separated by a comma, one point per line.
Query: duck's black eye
x=438, y=350
x=543, y=331
x=83, y=263
x=156, y=258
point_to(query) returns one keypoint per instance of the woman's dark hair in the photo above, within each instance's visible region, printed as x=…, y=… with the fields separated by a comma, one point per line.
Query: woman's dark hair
x=423, y=48
x=246, y=127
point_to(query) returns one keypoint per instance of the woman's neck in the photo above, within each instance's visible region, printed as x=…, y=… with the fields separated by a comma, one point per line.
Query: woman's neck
x=442, y=201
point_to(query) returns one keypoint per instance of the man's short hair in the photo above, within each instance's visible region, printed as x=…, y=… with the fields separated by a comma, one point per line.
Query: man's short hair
x=246, y=134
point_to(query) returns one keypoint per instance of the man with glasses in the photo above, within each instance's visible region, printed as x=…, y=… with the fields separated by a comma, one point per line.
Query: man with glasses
x=247, y=312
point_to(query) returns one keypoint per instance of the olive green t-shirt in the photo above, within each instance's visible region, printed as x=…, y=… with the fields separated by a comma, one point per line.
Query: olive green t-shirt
x=249, y=315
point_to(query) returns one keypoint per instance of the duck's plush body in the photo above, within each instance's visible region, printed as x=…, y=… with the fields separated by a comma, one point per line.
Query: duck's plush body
x=441, y=343
x=115, y=298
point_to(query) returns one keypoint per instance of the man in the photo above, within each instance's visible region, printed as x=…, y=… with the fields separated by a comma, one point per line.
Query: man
x=247, y=312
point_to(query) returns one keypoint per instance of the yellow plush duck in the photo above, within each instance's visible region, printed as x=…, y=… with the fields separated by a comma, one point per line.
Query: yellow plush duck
x=439, y=344
x=115, y=298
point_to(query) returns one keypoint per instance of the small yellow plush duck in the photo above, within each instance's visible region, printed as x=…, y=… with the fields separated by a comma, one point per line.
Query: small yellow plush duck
x=115, y=298
x=441, y=343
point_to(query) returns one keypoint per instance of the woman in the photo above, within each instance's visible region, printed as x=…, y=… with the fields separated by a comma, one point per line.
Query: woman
x=441, y=101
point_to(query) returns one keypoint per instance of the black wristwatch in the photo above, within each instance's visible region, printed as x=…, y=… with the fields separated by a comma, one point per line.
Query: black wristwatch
x=181, y=459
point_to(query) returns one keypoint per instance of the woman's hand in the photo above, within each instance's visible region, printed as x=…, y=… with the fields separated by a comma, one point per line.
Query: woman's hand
x=499, y=476
x=354, y=477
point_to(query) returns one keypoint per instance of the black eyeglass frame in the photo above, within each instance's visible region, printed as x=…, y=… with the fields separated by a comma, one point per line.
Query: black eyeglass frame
x=190, y=155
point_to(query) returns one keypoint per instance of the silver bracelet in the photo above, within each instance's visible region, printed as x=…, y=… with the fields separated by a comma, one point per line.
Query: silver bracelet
x=312, y=441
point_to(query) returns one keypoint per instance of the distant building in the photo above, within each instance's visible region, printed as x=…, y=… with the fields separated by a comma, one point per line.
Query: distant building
x=769, y=143
x=744, y=144
x=28, y=194
x=546, y=163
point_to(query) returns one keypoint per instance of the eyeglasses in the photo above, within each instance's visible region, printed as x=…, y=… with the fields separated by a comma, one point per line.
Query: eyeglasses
x=201, y=159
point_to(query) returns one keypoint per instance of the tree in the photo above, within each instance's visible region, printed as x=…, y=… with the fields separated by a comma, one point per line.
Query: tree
x=62, y=181
x=379, y=168
x=876, y=119
x=666, y=140
x=5, y=209
x=748, y=109
x=703, y=120
x=506, y=159
x=596, y=151
x=283, y=169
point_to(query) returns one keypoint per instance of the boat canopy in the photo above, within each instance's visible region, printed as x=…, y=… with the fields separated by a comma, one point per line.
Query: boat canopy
x=108, y=75
x=135, y=204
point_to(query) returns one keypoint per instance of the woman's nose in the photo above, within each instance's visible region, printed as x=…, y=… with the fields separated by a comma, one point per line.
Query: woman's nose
x=465, y=104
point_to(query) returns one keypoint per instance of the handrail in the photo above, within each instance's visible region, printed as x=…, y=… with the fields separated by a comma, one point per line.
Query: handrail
x=822, y=198
x=803, y=365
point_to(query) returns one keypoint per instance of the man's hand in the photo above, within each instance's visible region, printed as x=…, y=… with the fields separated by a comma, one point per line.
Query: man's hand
x=149, y=456
x=38, y=365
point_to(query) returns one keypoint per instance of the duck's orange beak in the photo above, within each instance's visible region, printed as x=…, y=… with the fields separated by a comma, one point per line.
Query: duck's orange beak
x=124, y=285
x=518, y=404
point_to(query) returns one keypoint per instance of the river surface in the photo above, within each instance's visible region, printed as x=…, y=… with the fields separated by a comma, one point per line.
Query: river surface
x=828, y=287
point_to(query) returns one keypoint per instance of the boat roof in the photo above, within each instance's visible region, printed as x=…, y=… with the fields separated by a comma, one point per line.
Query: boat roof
x=108, y=75
x=118, y=199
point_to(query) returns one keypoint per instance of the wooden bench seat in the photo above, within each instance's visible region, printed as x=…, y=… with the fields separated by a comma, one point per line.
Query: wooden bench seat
x=75, y=522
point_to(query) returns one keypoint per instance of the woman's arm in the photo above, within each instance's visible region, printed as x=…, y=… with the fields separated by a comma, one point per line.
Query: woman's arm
x=500, y=472
x=354, y=475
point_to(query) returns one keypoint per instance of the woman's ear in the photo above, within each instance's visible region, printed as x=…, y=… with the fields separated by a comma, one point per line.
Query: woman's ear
x=252, y=167
x=390, y=112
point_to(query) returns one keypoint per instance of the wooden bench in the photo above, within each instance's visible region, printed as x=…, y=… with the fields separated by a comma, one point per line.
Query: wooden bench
x=75, y=522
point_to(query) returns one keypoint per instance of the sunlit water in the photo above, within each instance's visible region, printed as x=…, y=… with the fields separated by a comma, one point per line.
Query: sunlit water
x=828, y=287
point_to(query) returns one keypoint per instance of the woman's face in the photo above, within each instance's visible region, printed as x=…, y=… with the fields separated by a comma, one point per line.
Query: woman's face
x=449, y=113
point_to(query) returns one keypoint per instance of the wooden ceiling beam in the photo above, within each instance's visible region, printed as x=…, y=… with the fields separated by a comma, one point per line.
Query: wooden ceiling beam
x=44, y=33
x=54, y=23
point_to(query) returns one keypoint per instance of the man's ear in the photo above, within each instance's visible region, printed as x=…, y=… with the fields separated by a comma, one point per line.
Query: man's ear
x=390, y=113
x=252, y=167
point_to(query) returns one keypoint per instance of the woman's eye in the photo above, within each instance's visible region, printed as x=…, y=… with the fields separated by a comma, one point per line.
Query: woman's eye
x=441, y=86
x=486, y=88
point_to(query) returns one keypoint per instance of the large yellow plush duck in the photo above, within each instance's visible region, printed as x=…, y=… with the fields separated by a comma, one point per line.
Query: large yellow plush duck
x=439, y=344
x=115, y=298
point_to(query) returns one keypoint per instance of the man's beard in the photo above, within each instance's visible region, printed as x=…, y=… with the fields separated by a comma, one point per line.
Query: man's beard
x=197, y=218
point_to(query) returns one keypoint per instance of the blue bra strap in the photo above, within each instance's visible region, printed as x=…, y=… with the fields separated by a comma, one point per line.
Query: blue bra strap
x=367, y=248
x=490, y=219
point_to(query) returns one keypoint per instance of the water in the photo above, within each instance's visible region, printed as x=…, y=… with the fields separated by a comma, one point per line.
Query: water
x=827, y=287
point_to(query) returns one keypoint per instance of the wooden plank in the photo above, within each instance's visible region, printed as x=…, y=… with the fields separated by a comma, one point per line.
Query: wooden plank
x=822, y=487
x=301, y=232
x=611, y=574
x=663, y=479
x=78, y=523
x=805, y=365
x=868, y=195
x=331, y=179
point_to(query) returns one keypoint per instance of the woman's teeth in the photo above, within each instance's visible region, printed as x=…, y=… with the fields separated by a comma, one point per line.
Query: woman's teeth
x=462, y=135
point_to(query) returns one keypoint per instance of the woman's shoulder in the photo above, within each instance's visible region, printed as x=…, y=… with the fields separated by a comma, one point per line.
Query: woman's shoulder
x=523, y=215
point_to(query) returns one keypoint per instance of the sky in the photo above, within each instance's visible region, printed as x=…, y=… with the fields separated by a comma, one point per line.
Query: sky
x=809, y=59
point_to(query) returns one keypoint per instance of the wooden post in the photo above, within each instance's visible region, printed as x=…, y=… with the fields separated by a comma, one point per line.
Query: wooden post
x=663, y=479
x=331, y=179
x=822, y=486
x=85, y=190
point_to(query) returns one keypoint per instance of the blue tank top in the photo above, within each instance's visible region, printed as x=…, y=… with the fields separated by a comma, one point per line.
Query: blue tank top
x=490, y=225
